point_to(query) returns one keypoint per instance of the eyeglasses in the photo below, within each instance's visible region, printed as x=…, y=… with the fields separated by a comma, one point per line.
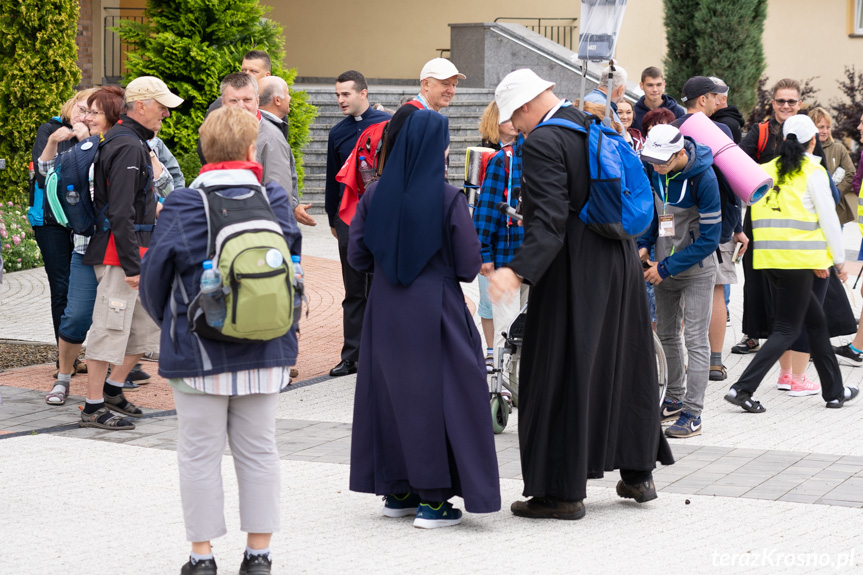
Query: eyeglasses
x=669, y=162
x=92, y=113
x=782, y=102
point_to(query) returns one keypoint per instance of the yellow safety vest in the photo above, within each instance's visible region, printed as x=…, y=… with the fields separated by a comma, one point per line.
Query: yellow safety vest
x=786, y=235
x=860, y=213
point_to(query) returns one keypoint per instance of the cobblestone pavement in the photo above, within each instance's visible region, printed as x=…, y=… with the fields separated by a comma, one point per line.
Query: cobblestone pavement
x=776, y=492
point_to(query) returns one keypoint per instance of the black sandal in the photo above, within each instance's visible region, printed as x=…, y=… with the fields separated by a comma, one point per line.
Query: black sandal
x=744, y=400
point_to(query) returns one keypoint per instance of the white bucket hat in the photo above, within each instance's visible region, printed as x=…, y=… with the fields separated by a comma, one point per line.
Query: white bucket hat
x=517, y=89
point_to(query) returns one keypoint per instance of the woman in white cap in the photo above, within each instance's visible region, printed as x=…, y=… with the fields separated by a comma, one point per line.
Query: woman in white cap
x=796, y=237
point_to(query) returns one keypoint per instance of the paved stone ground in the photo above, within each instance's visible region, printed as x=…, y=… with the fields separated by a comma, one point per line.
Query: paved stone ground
x=776, y=492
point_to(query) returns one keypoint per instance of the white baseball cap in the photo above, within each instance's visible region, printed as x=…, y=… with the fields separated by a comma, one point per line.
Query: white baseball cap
x=440, y=69
x=151, y=88
x=801, y=126
x=517, y=89
x=663, y=141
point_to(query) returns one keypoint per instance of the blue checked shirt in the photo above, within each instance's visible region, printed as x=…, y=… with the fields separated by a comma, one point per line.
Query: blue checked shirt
x=499, y=237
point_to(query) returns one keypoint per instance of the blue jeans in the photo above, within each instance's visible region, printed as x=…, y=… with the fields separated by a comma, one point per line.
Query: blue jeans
x=79, y=301
x=484, y=307
x=55, y=243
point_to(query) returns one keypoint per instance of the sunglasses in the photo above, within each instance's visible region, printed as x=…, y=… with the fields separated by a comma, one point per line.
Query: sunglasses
x=782, y=102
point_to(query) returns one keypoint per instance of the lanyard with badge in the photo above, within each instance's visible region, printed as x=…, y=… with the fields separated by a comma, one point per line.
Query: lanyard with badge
x=666, y=220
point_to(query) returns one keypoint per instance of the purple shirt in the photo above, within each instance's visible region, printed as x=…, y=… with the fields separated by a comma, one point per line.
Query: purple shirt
x=858, y=177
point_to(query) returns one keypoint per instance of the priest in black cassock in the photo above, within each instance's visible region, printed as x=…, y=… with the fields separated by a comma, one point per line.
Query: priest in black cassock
x=588, y=393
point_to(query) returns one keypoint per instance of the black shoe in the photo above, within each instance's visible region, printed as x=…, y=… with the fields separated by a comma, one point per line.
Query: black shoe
x=847, y=356
x=746, y=345
x=138, y=376
x=203, y=567
x=548, y=508
x=256, y=565
x=640, y=492
x=344, y=367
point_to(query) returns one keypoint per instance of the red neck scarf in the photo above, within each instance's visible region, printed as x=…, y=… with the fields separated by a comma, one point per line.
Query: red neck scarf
x=255, y=167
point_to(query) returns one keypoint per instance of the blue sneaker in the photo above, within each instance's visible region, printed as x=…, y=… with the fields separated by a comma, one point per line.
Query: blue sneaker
x=670, y=410
x=401, y=505
x=432, y=516
x=687, y=425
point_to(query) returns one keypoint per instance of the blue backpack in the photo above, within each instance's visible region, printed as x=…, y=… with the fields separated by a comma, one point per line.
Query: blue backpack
x=620, y=200
x=67, y=188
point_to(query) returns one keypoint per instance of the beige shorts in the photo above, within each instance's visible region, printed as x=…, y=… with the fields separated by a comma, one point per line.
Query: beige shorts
x=121, y=327
x=726, y=272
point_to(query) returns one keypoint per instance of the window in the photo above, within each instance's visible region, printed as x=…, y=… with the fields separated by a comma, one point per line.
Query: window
x=856, y=16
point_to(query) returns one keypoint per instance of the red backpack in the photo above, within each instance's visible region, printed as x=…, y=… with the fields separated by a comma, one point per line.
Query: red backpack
x=371, y=146
x=763, y=136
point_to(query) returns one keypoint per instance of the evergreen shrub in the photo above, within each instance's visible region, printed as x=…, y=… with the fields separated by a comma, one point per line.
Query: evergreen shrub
x=191, y=45
x=38, y=71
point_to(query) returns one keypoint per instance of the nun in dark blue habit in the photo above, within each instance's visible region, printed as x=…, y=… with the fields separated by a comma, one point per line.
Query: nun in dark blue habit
x=422, y=429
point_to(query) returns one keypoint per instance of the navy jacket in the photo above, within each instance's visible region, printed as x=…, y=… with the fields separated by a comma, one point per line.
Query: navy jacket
x=640, y=109
x=705, y=200
x=179, y=246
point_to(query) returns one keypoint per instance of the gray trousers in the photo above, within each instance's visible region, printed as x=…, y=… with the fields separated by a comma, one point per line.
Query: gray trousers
x=249, y=423
x=689, y=299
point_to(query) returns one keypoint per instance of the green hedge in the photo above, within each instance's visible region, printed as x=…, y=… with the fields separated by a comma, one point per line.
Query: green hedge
x=38, y=70
x=192, y=45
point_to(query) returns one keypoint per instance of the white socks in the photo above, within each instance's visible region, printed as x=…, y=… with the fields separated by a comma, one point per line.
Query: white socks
x=194, y=557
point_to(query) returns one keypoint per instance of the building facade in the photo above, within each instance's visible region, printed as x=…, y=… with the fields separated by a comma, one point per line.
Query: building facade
x=389, y=40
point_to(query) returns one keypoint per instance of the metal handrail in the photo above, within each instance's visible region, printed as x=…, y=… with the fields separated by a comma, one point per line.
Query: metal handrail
x=114, y=51
x=561, y=34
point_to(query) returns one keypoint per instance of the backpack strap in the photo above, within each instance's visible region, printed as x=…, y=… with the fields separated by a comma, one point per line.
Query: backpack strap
x=763, y=136
x=205, y=191
x=381, y=151
x=578, y=128
x=563, y=124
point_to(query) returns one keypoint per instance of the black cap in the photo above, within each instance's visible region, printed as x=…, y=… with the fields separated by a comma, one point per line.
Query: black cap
x=700, y=85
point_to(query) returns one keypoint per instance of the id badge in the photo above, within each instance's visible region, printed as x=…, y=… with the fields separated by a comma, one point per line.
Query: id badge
x=666, y=226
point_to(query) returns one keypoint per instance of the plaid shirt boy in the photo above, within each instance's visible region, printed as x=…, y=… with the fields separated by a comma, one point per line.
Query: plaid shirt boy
x=498, y=236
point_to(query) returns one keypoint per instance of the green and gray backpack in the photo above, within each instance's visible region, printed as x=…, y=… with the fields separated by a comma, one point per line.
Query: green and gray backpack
x=247, y=246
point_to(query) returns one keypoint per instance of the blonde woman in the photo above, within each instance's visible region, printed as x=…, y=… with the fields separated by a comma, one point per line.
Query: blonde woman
x=839, y=165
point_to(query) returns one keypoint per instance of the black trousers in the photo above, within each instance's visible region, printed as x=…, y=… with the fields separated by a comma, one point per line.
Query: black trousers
x=356, y=294
x=55, y=243
x=795, y=305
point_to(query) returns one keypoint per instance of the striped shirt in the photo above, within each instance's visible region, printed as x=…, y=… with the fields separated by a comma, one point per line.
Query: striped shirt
x=264, y=380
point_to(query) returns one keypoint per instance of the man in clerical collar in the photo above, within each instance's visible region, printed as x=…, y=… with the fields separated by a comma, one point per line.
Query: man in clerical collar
x=352, y=95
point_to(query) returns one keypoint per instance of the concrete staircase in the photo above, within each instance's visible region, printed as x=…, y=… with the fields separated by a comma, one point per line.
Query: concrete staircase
x=464, y=114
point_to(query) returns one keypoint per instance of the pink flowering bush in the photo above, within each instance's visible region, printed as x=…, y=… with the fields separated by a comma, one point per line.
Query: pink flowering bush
x=19, y=248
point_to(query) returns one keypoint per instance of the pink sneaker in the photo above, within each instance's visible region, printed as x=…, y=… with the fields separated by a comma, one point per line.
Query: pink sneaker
x=804, y=387
x=784, y=383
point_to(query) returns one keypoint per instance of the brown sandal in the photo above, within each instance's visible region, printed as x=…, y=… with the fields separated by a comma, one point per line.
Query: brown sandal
x=98, y=419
